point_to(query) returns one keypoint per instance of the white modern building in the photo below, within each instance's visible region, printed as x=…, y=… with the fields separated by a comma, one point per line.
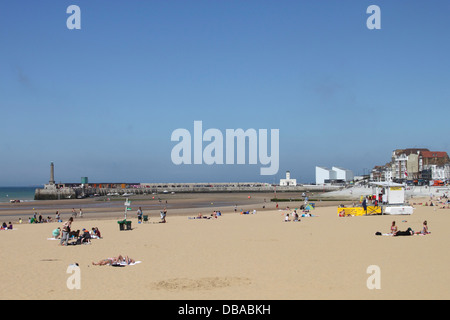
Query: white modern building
x=343, y=174
x=288, y=181
x=335, y=174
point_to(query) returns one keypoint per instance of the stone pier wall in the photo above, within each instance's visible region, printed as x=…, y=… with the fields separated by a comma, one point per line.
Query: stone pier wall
x=74, y=193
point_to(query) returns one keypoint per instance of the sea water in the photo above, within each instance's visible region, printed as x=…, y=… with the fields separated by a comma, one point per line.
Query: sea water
x=17, y=193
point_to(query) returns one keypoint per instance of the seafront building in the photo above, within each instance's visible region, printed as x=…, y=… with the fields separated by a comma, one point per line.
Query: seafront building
x=336, y=175
x=416, y=165
x=288, y=181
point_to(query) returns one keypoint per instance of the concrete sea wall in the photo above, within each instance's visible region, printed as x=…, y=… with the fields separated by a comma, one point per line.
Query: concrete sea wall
x=73, y=193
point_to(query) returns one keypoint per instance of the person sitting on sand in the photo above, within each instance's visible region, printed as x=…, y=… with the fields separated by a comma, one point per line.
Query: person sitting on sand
x=424, y=230
x=85, y=237
x=56, y=233
x=96, y=233
x=286, y=218
x=394, y=228
x=114, y=261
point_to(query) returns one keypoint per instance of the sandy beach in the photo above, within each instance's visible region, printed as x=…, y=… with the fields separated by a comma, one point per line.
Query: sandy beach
x=250, y=256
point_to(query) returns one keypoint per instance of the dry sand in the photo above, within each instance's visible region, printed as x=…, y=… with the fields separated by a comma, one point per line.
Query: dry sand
x=235, y=257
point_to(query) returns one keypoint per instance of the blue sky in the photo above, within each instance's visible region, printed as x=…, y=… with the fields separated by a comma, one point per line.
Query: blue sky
x=103, y=101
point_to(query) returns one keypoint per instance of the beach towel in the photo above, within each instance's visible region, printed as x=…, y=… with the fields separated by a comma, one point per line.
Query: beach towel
x=382, y=234
x=124, y=264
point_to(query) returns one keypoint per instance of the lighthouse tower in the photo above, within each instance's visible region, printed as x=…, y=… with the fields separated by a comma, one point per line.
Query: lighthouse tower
x=52, y=174
x=51, y=183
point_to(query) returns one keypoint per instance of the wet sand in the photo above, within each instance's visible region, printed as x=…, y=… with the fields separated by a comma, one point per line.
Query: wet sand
x=177, y=204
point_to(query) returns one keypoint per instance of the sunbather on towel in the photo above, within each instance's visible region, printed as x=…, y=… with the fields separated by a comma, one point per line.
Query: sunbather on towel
x=114, y=261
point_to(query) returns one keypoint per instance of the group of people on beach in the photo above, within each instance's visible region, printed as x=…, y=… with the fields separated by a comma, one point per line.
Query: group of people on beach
x=5, y=226
x=409, y=232
x=296, y=216
x=74, y=213
x=214, y=215
x=83, y=237
x=163, y=214
x=38, y=219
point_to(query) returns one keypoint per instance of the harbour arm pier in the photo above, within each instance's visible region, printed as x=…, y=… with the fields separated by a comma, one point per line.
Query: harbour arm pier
x=84, y=189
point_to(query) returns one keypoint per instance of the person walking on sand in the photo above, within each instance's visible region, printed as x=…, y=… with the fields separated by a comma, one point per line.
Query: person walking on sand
x=65, y=232
x=163, y=215
x=364, y=205
x=139, y=215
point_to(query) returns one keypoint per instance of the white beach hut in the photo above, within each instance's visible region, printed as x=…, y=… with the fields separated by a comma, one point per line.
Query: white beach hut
x=393, y=197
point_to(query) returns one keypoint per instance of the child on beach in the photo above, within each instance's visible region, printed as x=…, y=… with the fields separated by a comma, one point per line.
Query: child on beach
x=56, y=233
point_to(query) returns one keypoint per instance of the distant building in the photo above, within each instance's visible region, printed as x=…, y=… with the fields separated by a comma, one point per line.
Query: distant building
x=343, y=174
x=333, y=175
x=288, y=181
x=405, y=163
x=414, y=164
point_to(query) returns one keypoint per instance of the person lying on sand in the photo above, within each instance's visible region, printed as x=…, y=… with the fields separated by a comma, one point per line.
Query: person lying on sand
x=114, y=261
x=408, y=232
x=200, y=216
